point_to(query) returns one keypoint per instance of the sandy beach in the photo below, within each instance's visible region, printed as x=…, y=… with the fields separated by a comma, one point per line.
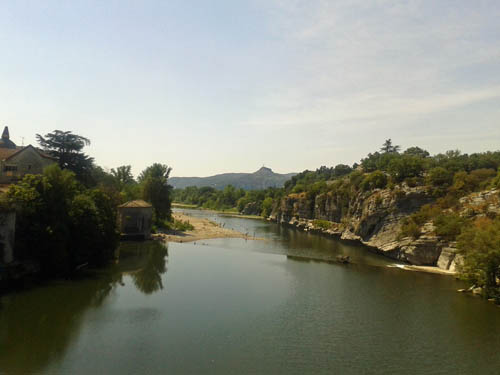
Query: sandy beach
x=427, y=269
x=203, y=229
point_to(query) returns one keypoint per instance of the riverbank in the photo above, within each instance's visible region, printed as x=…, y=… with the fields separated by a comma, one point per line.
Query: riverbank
x=203, y=229
x=425, y=269
x=338, y=233
x=228, y=213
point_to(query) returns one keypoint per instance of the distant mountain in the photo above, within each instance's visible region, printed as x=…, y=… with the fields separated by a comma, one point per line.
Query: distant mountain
x=261, y=179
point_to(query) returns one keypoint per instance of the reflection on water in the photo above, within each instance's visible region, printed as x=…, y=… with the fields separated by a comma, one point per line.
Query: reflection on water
x=38, y=325
x=278, y=305
x=151, y=263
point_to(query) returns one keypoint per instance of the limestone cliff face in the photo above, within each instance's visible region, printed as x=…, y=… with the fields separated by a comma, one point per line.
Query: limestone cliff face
x=375, y=219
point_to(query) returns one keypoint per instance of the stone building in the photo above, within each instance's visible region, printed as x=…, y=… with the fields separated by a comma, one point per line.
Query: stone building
x=17, y=161
x=135, y=219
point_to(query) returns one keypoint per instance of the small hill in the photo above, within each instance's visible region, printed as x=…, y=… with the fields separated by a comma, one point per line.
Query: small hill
x=261, y=179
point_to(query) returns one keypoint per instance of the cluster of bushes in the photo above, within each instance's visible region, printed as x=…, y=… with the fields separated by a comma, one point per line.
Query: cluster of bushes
x=174, y=224
x=60, y=223
x=323, y=224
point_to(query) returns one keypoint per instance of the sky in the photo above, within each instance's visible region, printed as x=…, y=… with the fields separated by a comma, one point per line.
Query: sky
x=218, y=86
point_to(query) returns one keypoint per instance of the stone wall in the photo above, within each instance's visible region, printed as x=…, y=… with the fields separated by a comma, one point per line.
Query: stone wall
x=135, y=221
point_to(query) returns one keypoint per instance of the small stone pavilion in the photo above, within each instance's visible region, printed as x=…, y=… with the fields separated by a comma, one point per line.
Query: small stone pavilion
x=135, y=219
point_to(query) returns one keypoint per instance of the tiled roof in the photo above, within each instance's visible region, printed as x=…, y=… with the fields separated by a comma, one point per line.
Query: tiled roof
x=136, y=203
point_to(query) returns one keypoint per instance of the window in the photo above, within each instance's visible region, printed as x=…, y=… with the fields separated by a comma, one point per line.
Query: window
x=10, y=168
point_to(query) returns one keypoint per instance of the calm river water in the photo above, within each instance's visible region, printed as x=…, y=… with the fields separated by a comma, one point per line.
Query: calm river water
x=230, y=306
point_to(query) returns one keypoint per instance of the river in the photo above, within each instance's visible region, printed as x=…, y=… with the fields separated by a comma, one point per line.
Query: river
x=277, y=305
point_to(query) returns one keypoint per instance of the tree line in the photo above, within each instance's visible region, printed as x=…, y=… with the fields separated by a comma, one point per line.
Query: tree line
x=67, y=216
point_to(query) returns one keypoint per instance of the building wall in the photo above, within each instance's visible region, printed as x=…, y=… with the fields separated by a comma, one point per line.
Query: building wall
x=27, y=162
x=7, y=235
x=135, y=220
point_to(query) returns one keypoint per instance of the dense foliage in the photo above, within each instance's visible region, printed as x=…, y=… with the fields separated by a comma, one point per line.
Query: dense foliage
x=157, y=191
x=66, y=148
x=60, y=223
x=151, y=186
x=480, y=247
x=67, y=216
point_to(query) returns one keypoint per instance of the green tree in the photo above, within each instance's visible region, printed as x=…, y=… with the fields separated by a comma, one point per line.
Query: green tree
x=439, y=176
x=480, y=246
x=67, y=148
x=123, y=175
x=405, y=166
x=416, y=151
x=388, y=147
x=267, y=206
x=374, y=180
x=157, y=191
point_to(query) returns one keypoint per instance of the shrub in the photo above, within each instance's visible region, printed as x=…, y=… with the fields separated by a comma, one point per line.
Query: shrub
x=410, y=229
x=449, y=226
x=496, y=181
x=299, y=188
x=478, y=179
x=425, y=214
x=439, y=176
x=323, y=224
x=182, y=225
x=448, y=201
x=413, y=181
x=355, y=178
x=178, y=225
x=374, y=180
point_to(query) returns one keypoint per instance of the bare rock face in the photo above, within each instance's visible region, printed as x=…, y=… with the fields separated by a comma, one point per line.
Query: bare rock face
x=424, y=251
x=375, y=219
x=447, y=257
x=455, y=263
x=484, y=203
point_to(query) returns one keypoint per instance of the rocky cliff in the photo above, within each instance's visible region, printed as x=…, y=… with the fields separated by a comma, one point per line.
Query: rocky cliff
x=375, y=218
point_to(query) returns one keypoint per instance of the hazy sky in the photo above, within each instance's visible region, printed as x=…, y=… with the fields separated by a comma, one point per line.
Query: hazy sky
x=217, y=86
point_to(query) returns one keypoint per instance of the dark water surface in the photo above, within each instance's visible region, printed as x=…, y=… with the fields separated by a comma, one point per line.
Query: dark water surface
x=230, y=306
